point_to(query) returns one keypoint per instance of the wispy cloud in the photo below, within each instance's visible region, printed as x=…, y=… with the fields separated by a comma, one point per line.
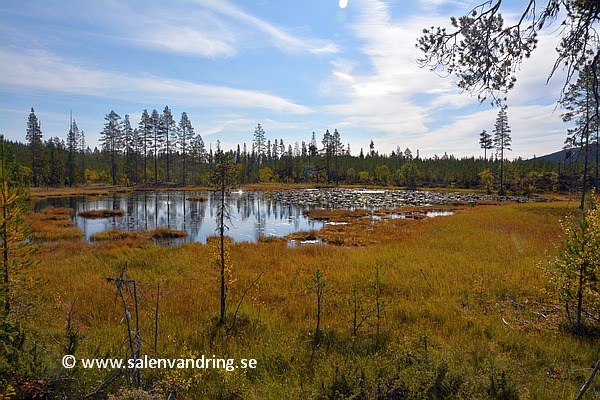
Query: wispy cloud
x=41, y=70
x=279, y=37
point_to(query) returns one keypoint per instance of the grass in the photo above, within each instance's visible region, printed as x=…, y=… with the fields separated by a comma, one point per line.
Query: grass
x=114, y=234
x=53, y=223
x=464, y=311
x=91, y=190
x=157, y=234
x=94, y=214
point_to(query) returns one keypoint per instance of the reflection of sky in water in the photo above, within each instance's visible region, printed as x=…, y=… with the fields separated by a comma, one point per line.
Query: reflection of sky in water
x=251, y=215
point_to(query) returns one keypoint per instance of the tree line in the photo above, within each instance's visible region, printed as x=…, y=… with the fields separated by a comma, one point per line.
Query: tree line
x=162, y=151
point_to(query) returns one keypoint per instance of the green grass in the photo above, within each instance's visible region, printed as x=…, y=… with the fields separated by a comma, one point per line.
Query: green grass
x=464, y=316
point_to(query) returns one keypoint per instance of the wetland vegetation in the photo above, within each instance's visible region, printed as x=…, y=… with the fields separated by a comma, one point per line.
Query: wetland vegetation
x=453, y=307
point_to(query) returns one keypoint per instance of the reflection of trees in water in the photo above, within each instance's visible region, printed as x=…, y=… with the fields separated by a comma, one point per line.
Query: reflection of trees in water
x=253, y=214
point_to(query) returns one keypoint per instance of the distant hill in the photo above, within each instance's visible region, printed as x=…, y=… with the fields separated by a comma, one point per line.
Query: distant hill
x=566, y=156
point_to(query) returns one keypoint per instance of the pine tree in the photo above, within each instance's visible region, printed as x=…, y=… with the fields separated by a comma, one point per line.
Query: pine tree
x=156, y=140
x=582, y=107
x=485, y=142
x=168, y=128
x=338, y=150
x=129, y=146
x=15, y=247
x=502, y=141
x=186, y=134
x=36, y=146
x=145, y=133
x=327, y=142
x=112, y=141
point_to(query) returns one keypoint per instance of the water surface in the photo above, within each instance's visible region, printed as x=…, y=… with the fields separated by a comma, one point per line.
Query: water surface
x=251, y=214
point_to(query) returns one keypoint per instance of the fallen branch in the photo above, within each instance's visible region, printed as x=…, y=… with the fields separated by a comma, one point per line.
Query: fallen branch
x=587, y=383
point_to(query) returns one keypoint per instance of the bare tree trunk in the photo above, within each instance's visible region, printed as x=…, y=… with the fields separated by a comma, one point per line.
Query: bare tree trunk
x=587, y=383
x=585, y=170
x=222, y=237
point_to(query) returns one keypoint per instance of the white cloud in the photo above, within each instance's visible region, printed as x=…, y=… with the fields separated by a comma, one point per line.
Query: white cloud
x=283, y=40
x=40, y=70
x=188, y=40
x=414, y=107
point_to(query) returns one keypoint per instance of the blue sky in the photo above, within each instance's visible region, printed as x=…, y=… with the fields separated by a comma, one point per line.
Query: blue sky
x=293, y=66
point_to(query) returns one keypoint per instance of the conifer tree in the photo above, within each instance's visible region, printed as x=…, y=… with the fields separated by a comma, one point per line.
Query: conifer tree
x=328, y=152
x=582, y=107
x=338, y=150
x=112, y=141
x=260, y=143
x=502, y=141
x=156, y=140
x=186, y=134
x=72, y=147
x=82, y=152
x=36, y=147
x=485, y=142
x=129, y=145
x=145, y=133
x=167, y=128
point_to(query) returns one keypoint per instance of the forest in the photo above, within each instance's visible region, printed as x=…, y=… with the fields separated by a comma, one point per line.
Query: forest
x=162, y=152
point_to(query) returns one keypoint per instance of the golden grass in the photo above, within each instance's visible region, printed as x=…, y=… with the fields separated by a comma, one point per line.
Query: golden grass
x=53, y=223
x=462, y=292
x=157, y=234
x=91, y=190
x=113, y=234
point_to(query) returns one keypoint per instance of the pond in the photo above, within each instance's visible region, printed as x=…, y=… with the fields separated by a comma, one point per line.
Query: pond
x=252, y=215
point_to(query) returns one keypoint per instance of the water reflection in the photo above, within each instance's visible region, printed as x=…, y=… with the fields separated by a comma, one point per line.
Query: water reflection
x=252, y=215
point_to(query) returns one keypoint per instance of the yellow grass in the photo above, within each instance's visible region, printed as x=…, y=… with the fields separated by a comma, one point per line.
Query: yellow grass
x=53, y=224
x=462, y=294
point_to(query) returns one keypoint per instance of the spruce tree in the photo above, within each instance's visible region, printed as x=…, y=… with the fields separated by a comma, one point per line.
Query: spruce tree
x=260, y=143
x=36, y=147
x=72, y=147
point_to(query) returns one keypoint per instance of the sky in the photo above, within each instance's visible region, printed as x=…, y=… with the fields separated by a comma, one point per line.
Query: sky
x=295, y=67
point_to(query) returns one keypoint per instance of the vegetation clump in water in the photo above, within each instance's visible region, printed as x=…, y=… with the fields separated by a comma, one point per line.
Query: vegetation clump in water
x=101, y=213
